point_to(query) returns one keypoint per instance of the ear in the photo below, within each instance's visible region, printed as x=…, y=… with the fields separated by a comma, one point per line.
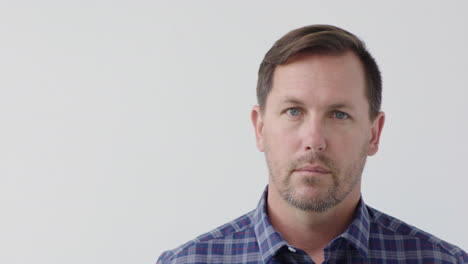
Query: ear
x=377, y=126
x=256, y=117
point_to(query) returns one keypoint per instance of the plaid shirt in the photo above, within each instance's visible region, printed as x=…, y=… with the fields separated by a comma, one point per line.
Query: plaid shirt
x=372, y=237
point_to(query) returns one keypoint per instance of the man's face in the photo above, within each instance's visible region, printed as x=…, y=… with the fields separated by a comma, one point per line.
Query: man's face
x=316, y=131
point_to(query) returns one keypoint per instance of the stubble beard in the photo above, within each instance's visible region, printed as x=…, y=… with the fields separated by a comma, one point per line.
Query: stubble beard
x=343, y=182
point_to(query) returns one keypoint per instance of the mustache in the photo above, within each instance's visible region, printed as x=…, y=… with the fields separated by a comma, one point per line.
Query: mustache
x=314, y=158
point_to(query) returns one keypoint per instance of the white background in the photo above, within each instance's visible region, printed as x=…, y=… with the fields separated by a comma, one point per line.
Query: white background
x=125, y=125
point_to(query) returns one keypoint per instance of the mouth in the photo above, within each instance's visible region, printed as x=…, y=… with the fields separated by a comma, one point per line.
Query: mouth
x=313, y=169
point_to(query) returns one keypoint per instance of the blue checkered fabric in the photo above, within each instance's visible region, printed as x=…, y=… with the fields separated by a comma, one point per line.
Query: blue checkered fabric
x=372, y=237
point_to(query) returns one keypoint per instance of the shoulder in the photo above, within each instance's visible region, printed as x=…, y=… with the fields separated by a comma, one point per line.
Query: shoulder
x=216, y=242
x=397, y=236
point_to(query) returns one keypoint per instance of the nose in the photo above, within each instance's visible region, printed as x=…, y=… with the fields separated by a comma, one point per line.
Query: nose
x=314, y=137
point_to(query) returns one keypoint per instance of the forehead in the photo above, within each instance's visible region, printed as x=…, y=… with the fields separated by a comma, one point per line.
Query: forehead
x=320, y=79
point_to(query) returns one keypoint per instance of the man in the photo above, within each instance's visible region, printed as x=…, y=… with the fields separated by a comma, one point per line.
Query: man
x=318, y=118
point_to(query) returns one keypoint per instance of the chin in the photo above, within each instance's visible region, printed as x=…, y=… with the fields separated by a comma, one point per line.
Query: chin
x=311, y=188
x=310, y=198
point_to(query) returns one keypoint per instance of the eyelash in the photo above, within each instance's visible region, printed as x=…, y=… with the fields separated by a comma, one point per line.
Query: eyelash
x=293, y=108
x=335, y=112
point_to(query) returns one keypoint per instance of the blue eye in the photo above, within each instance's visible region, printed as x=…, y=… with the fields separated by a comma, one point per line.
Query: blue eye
x=340, y=115
x=293, y=111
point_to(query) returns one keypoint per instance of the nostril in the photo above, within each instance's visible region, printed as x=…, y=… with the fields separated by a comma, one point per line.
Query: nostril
x=317, y=148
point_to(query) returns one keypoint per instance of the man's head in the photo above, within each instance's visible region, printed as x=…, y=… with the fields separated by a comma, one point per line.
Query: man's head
x=318, y=118
x=324, y=40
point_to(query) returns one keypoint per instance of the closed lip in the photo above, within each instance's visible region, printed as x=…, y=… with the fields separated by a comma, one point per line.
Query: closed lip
x=313, y=168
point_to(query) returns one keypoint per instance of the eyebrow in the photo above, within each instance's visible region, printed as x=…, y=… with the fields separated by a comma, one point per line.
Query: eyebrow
x=292, y=100
x=339, y=105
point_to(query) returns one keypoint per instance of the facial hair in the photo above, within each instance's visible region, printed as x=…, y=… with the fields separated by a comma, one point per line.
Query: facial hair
x=344, y=181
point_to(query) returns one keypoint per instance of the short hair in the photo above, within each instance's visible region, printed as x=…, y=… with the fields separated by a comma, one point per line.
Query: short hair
x=320, y=39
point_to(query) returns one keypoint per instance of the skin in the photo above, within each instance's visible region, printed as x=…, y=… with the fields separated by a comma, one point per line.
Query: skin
x=316, y=133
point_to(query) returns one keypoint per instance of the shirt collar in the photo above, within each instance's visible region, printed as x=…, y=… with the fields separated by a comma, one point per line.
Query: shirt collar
x=357, y=233
x=270, y=240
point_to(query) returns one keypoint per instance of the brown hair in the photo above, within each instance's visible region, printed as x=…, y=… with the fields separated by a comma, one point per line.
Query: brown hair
x=320, y=39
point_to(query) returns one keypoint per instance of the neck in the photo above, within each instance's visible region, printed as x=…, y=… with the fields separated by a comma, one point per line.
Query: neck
x=307, y=230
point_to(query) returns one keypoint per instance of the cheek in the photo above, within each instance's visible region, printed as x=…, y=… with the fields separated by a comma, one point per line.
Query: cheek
x=280, y=148
x=282, y=138
x=345, y=144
